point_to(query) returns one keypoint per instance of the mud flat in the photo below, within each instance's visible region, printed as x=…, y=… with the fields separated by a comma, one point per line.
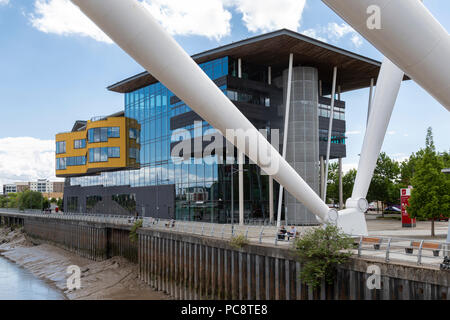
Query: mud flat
x=113, y=279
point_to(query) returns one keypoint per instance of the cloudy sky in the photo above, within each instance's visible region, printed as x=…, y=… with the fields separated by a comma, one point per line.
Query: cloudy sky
x=55, y=65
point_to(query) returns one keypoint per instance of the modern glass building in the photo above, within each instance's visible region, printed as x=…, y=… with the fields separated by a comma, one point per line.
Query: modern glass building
x=252, y=74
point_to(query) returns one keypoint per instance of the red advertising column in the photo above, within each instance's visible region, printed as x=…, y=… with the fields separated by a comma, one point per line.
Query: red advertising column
x=407, y=222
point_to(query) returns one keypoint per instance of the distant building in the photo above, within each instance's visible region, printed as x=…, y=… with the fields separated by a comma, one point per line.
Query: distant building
x=22, y=186
x=446, y=170
x=42, y=185
x=9, y=188
x=50, y=189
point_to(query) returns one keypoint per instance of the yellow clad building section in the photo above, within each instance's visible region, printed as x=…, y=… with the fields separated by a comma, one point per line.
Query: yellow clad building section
x=124, y=143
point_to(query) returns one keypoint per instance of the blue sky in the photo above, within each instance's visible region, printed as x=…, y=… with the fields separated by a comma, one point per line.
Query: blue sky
x=55, y=67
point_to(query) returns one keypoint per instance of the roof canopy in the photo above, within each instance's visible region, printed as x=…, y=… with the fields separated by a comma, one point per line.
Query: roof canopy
x=273, y=49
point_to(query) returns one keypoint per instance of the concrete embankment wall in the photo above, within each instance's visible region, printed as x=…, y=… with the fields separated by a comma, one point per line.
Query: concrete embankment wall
x=194, y=267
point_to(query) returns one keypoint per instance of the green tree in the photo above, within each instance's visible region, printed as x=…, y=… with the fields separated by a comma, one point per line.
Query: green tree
x=348, y=181
x=407, y=169
x=30, y=200
x=60, y=204
x=384, y=186
x=333, y=183
x=430, y=197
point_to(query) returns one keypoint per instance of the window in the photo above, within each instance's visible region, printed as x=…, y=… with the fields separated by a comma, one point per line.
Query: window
x=91, y=202
x=134, y=133
x=102, y=134
x=247, y=97
x=72, y=204
x=60, y=147
x=114, y=132
x=76, y=161
x=103, y=154
x=61, y=164
x=133, y=153
x=126, y=201
x=114, y=152
x=80, y=144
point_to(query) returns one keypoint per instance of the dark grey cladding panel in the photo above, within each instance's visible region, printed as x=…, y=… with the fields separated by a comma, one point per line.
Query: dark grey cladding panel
x=219, y=82
x=251, y=111
x=257, y=112
x=336, y=151
x=183, y=120
x=245, y=84
x=338, y=125
x=327, y=101
x=148, y=199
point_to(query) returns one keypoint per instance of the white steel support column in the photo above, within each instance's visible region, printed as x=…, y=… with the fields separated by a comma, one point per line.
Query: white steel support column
x=322, y=174
x=341, y=187
x=369, y=109
x=241, y=160
x=414, y=40
x=286, y=130
x=269, y=75
x=388, y=87
x=330, y=131
x=271, y=211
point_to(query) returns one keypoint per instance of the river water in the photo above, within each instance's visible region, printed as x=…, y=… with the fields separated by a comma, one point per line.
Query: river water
x=18, y=284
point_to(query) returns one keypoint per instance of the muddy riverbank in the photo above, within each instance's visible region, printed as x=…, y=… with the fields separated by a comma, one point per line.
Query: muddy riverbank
x=113, y=279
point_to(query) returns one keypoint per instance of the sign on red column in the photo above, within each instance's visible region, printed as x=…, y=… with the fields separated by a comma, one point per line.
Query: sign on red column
x=407, y=221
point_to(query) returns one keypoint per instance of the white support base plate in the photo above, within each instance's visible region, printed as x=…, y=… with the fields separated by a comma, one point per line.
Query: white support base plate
x=352, y=222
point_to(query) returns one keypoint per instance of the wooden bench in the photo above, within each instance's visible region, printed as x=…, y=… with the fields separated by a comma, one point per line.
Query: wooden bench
x=436, y=247
x=375, y=241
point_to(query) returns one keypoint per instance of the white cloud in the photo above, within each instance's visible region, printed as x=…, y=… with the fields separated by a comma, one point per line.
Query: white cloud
x=179, y=17
x=346, y=167
x=334, y=33
x=399, y=157
x=62, y=17
x=4, y=2
x=206, y=18
x=356, y=132
x=357, y=40
x=269, y=15
x=313, y=33
x=26, y=159
x=339, y=30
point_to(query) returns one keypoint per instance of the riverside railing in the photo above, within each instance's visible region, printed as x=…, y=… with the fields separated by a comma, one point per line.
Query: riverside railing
x=386, y=249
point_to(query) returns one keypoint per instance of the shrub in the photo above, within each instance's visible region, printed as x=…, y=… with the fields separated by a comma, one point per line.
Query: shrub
x=320, y=251
x=133, y=232
x=239, y=241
